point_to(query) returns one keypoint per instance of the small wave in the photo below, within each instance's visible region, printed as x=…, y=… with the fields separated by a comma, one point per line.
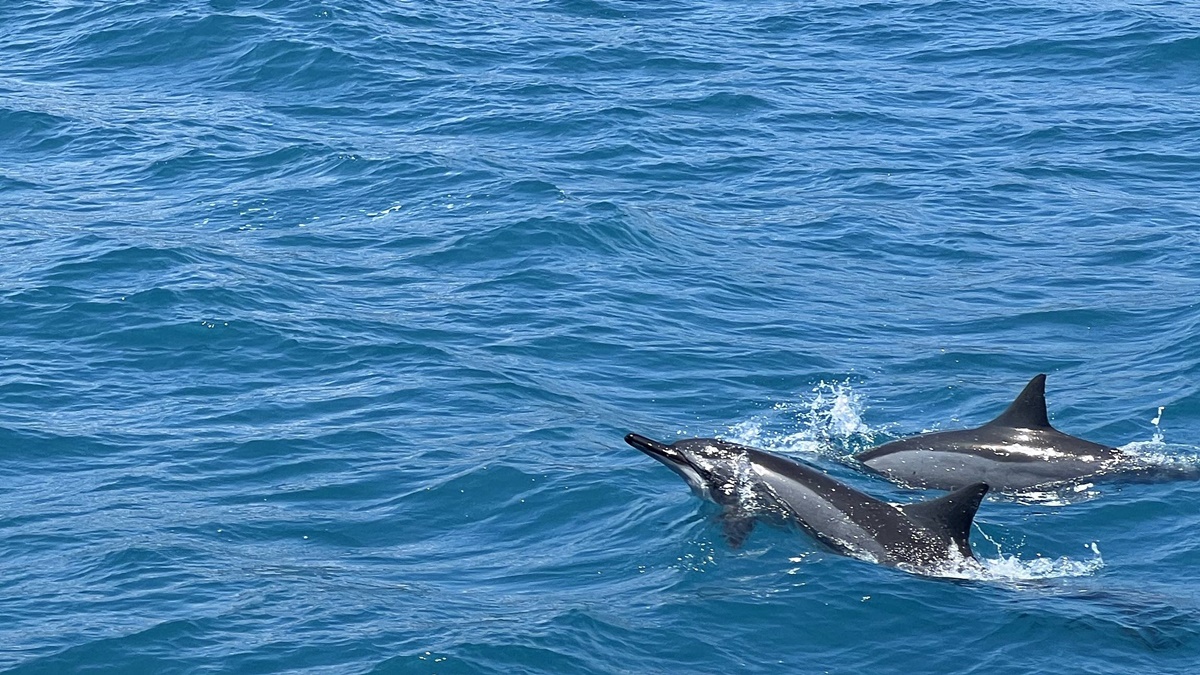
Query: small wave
x=831, y=414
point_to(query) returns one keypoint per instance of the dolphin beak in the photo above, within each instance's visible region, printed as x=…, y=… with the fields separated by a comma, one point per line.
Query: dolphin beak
x=674, y=459
x=653, y=448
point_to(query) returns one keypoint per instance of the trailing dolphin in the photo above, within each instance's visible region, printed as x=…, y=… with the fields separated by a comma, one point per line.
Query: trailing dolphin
x=1017, y=450
x=751, y=484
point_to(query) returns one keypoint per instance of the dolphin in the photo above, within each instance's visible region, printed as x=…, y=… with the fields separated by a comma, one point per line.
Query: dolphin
x=1016, y=451
x=750, y=485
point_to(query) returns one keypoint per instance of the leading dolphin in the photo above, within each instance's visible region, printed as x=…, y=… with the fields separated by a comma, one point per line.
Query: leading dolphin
x=1016, y=451
x=752, y=484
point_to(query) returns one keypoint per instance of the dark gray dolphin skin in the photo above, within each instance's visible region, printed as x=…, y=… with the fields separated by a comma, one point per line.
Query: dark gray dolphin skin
x=751, y=484
x=1016, y=451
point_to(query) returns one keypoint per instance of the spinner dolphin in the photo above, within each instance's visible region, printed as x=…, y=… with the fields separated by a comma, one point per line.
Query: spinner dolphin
x=752, y=485
x=1016, y=451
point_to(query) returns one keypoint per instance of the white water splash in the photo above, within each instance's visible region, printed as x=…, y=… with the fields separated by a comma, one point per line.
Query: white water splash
x=1011, y=569
x=1158, y=435
x=1158, y=455
x=1003, y=569
x=1153, y=449
x=741, y=483
x=831, y=413
x=1155, y=456
x=746, y=479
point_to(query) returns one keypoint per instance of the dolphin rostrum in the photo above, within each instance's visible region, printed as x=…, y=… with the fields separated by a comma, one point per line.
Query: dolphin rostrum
x=751, y=484
x=1016, y=451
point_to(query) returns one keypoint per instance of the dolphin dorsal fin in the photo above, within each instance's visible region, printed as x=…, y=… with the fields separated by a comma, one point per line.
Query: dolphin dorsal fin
x=953, y=513
x=1028, y=411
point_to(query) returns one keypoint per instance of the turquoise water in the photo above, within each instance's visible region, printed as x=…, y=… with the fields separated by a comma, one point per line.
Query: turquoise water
x=322, y=323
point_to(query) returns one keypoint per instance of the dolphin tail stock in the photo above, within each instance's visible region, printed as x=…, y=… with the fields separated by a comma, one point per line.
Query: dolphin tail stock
x=952, y=513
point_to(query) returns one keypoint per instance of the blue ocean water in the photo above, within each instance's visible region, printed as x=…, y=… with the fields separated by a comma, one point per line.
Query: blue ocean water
x=321, y=324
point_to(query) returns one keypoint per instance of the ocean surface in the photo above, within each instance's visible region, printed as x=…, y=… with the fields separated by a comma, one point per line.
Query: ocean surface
x=321, y=324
